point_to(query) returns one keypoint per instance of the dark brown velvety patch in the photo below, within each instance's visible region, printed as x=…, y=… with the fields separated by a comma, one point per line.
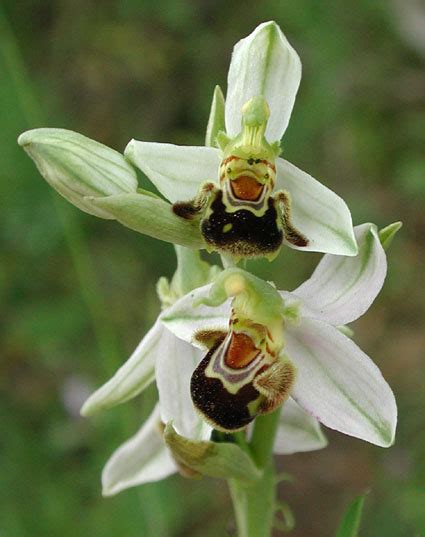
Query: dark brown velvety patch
x=249, y=235
x=186, y=210
x=228, y=411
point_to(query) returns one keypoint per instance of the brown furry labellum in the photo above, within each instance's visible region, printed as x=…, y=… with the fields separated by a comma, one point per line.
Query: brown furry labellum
x=239, y=379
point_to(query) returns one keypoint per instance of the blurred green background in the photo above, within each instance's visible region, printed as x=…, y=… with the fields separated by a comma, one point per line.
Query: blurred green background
x=77, y=293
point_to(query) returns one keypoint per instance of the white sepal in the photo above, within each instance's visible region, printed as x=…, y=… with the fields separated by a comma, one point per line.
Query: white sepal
x=177, y=171
x=321, y=215
x=131, y=378
x=174, y=367
x=297, y=431
x=339, y=384
x=341, y=289
x=144, y=458
x=264, y=63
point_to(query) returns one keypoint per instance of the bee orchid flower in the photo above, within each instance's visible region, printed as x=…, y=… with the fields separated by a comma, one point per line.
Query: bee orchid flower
x=245, y=198
x=335, y=383
x=234, y=195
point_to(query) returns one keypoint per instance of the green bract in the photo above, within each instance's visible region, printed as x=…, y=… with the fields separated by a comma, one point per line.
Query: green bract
x=223, y=459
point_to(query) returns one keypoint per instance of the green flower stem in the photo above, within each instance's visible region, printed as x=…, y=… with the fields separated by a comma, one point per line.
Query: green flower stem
x=254, y=505
x=254, y=502
x=263, y=437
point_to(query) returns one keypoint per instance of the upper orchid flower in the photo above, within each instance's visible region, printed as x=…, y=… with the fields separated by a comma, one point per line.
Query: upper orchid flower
x=235, y=196
x=246, y=198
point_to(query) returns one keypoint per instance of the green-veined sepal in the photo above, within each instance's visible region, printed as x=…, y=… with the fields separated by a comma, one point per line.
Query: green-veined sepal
x=77, y=167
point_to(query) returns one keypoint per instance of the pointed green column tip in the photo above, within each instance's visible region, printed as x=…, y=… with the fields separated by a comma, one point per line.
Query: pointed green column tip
x=251, y=139
x=255, y=112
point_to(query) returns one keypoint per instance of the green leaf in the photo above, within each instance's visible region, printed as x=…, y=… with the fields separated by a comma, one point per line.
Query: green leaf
x=387, y=234
x=224, y=460
x=151, y=216
x=216, y=120
x=351, y=522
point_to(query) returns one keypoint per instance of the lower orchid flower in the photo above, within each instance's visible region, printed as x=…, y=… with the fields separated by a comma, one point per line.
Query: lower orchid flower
x=331, y=380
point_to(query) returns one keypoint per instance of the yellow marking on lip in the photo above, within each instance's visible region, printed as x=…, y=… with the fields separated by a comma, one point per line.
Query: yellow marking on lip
x=246, y=188
x=241, y=351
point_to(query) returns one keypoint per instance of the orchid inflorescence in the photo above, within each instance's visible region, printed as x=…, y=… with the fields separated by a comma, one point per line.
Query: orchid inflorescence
x=227, y=346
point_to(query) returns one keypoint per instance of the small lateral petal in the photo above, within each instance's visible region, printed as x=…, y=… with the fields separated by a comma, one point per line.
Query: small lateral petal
x=216, y=120
x=144, y=458
x=177, y=171
x=339, y=384
x=185, y=317
x=151, y=216
x=175, y=364
x=264, y=63
x=131, y=378
x=297, y=431
x=341, y=288
x=317, y=212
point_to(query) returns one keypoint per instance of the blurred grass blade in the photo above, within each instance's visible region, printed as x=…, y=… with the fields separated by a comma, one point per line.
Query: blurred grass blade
x=34, y=115
x=350, y=524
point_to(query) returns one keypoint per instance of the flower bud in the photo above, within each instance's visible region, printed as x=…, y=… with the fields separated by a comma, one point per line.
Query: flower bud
x=77, y=167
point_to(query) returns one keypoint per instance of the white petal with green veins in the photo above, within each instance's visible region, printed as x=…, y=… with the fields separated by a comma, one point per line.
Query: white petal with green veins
x=177, y=171
x=77, y=166
x=297, y=431
x=144, y=458
x=264, y=63
x=317, y=212
x=131, y=378
x=174, y=367
x=339, y=384
x=341, y=289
